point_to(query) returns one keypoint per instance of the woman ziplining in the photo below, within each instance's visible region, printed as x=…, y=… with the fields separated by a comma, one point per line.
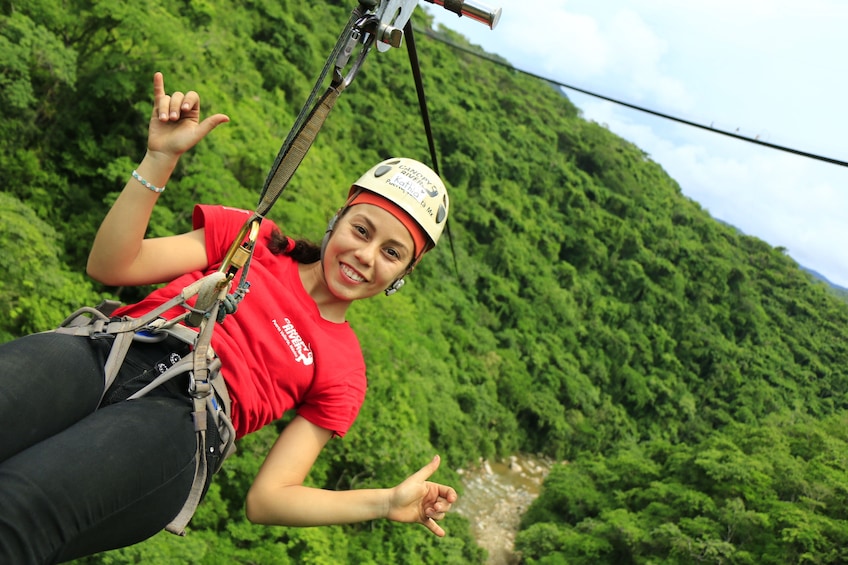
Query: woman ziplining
x=83, y=470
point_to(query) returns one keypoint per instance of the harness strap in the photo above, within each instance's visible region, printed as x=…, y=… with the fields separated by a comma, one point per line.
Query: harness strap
x=309, y=121
x=117, y=354
x=204, y=407
x=178, y=524
x=337, y=56
x=184, y=365
x=425, y=114
x=205, y=386
x=99, y=325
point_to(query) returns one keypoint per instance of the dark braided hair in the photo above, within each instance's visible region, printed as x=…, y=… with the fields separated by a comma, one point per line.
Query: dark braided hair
x=301, y=250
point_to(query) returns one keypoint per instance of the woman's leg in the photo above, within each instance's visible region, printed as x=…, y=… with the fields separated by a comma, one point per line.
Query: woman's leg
x=113, y=479
x=76, y=479
x=47, y=382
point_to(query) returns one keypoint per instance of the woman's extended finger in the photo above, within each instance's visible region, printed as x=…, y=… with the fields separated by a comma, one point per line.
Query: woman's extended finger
x=160, y=99
x=434, y=527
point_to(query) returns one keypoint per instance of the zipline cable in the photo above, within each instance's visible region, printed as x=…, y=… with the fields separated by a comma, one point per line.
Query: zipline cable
x=435, y=36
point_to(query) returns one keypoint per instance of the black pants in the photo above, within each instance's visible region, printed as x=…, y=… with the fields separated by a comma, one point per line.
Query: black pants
x=78, y=476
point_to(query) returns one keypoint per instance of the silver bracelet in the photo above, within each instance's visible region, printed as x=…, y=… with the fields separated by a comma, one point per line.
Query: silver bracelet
x=148, y=184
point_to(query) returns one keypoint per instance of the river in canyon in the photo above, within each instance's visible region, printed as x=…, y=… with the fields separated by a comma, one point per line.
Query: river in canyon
x=495, y=495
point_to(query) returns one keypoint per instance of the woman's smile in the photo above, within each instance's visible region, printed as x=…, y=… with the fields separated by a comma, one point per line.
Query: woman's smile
x=352, y=274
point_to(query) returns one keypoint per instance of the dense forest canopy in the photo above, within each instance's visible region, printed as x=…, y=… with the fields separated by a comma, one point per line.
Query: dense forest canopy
x=690, y=378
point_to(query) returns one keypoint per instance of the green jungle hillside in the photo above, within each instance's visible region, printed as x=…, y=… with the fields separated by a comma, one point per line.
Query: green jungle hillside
x=690, y=379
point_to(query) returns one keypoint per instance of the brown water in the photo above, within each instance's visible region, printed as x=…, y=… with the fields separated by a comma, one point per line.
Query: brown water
x=495, y=495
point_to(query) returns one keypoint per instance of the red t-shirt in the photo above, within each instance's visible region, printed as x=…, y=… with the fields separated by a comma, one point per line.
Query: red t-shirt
x=276, y=350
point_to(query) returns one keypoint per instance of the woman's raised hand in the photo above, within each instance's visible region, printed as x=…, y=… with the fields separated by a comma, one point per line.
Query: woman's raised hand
x=175, y=125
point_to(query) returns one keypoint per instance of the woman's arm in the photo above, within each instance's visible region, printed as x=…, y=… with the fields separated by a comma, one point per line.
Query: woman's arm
x=120, y=255
x=278, y=496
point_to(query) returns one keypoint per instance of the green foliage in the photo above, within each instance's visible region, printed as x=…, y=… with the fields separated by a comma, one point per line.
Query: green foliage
x=772, y=492
x=581, y=306
x=37, y=290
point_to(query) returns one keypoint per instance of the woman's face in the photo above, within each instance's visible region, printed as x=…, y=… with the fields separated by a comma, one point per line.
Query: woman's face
x=368, y=250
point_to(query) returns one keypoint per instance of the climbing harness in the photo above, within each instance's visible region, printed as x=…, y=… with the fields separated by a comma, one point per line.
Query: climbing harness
x=372, y=22
x=207, y=389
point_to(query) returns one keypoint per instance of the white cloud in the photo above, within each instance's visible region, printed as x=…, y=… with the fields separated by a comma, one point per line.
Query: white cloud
x=762, y=68
x=548, y=34
x=787, y=201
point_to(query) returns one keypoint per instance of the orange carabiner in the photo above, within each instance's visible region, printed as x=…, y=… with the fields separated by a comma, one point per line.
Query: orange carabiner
x=241, y=249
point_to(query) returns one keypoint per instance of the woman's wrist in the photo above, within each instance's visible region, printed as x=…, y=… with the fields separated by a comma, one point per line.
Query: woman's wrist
x=155, y=170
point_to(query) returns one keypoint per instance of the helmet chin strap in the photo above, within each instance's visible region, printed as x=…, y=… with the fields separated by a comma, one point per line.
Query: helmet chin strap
x=330, y=227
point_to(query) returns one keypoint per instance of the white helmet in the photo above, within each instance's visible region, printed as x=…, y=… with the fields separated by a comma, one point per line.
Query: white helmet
x=415, y=194
x=415, y=188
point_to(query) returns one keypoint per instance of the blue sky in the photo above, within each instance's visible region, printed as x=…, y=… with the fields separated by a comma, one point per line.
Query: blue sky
x=768, y=69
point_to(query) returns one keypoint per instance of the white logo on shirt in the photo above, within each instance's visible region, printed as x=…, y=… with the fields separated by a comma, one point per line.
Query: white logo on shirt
x=299, y=348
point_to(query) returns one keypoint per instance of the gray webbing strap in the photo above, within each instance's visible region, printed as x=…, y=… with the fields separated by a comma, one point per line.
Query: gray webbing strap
x=297, y=150
x=202, y=364
x=307, y=125
x=181, y=520
x=276, y=186
x=117, y=354
x=203, y=408
x=201, y=391
x=123, y=330
x=184, y=365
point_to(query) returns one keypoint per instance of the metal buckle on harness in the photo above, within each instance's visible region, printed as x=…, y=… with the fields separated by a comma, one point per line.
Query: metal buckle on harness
x=199, y=389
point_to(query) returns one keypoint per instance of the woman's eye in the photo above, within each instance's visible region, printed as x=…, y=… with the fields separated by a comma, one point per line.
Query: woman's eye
x=360, y=230
x=391, y=252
